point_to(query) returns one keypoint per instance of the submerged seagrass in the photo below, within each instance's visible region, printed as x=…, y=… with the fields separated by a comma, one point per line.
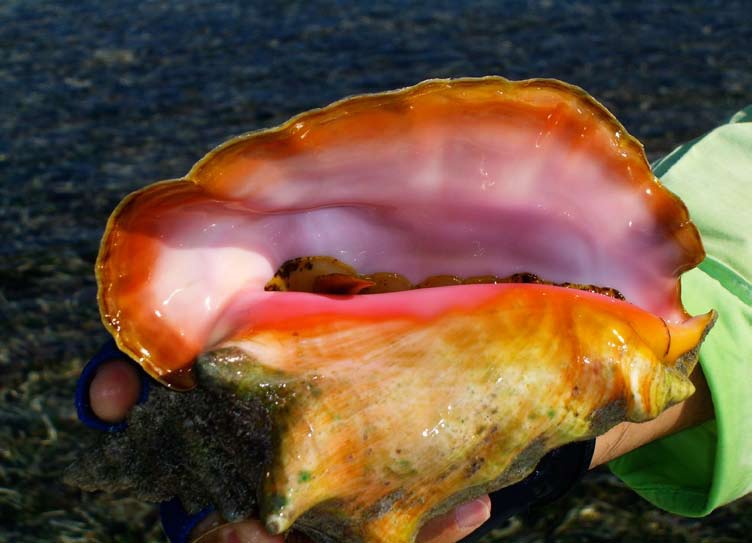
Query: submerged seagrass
x=370, y=405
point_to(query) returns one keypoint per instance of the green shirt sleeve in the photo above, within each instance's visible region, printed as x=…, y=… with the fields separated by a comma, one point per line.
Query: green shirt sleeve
x=697, y=470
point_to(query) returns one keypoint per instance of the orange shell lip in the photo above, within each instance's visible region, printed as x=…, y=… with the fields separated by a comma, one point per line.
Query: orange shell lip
x=472, y=174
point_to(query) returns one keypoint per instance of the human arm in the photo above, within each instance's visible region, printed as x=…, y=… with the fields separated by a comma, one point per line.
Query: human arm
x=697, y=470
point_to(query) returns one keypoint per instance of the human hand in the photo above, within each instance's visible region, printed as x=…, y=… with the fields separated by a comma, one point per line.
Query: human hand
x=115, y=389
x=627, y=436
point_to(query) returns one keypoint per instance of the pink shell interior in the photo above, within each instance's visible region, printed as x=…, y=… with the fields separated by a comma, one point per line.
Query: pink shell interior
x=467, y=177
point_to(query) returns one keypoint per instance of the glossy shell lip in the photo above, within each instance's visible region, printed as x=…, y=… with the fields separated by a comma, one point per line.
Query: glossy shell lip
x=218, y=176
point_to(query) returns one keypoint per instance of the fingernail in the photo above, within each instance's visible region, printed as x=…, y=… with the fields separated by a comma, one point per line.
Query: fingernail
x=472, y=514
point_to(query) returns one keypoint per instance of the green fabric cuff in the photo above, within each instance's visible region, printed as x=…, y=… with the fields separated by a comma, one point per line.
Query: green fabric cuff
x=695, y=471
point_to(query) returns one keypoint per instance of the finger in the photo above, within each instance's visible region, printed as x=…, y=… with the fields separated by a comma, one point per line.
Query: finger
x=114, y=390
x=457, y=523
x=245, y=531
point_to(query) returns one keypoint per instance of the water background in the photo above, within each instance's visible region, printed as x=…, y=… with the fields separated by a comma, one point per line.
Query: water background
x=99, y=98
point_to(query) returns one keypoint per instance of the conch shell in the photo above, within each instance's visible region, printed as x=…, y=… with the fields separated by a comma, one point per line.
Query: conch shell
x=388, y=408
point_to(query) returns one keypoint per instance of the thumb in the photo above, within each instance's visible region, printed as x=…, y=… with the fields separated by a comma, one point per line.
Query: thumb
x=457, y=523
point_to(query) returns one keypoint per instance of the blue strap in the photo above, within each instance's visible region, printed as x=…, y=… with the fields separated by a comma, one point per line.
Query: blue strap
x=176, y=522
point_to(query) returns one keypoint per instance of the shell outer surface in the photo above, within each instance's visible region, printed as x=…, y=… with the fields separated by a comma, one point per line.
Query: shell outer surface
x=379, y=427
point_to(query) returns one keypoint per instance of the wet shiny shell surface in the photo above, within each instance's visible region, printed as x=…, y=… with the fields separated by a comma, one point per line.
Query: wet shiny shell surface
x=389, y=407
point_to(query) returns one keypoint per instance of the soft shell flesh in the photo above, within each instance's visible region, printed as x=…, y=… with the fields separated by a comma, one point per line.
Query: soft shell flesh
x=462, y=177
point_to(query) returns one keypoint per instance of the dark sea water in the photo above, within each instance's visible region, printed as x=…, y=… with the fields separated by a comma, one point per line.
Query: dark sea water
x=99, y=98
